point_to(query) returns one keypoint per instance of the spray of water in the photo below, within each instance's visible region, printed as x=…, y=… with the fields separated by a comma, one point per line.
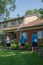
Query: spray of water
x=19, y=27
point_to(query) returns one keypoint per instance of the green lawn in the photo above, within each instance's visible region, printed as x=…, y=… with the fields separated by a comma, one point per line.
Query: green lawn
x=19, y=57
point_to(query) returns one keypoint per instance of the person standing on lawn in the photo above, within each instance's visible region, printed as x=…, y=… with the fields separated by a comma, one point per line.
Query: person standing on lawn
x=8, y=42
x=22, y=41
x=34, y=41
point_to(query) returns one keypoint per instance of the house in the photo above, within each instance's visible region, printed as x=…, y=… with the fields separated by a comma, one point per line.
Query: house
x=25, y=25
x=8, y=27
x=31, y=24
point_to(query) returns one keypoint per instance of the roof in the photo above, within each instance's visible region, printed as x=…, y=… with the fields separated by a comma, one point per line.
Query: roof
x=33, y=23
x=10, y=28
x=28, y=21
x=17, y=18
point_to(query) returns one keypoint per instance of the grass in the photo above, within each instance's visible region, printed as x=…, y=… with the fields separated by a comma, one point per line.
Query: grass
x=19, y=57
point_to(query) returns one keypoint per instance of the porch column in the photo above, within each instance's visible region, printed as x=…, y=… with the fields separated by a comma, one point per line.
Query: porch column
x=18, y=36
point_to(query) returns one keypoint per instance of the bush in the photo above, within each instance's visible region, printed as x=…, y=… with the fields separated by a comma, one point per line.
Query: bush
x=27, y=46
x=41, y=44
x=17, y=46
x=41, y=40
x=13, y=45
x=14, y=41
x=42, y=49
x=0, y=43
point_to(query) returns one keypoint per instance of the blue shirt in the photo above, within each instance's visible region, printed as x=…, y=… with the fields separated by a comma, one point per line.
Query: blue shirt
x=34, y=38
x=22, y=40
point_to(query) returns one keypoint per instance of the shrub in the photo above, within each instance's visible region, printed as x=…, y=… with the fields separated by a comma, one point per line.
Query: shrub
x=0, y=43
x=41, y=40
x=17, y=46
x=27, y=46
x=41, y=44
x=13, y=45
x=42, y=49
x=14, y=41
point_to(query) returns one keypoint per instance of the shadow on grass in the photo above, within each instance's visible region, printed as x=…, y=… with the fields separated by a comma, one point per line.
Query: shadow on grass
x=19, y=57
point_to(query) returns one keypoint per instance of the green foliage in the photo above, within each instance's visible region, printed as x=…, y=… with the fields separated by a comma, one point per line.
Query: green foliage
x=35, y=11
x=17, y=46
x=27, y=45
x=41, y=44
x=38, y=12
x=0, y=43
x=28, y=12
x=13, y=45
x=6, y=6
x=41, y=49
x=42, y=0
x=41, y=12
x=41, y=40
x=14, y=41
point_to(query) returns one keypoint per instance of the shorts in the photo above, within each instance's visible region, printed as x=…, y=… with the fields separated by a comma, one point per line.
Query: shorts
x=34, y=44
x=8, y=44
x=22, y=44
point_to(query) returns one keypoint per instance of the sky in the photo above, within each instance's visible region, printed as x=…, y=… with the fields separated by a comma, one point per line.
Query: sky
x=23, y=5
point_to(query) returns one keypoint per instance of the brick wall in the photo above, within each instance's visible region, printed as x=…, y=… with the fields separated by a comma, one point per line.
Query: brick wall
x=30, y=32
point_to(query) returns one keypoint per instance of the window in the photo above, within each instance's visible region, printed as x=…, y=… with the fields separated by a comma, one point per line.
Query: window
x=40, y=34
x=25, y=34
x=20, y=21
x=13, y=22
x=5, y=25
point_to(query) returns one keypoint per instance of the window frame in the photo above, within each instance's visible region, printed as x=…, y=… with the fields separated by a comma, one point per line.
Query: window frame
x=4, y=25
x=40, y=34
x=13, y=22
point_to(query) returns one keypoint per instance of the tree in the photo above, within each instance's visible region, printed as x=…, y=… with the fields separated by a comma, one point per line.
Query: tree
x=6, y=6
x=42, y=0
x=41, y=12
x=28, y=12
x=35, y=11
